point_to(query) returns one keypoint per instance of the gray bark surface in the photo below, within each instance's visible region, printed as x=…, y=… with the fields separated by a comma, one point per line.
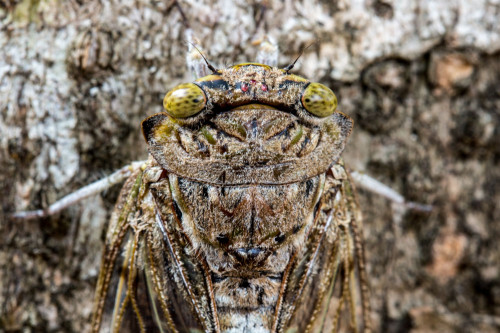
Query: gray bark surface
x=420, y=78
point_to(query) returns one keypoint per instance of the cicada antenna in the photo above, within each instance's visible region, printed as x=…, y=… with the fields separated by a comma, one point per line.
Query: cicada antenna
x=289, y=67
x=209, y=65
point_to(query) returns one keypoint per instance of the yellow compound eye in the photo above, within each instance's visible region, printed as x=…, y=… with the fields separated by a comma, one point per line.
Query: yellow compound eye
x=319, y=100
x=184, y=100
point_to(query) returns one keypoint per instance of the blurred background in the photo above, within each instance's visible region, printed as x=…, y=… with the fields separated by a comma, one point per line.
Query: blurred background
x=421, y=79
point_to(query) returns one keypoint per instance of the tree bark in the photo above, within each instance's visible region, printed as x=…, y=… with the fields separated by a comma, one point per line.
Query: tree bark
x=420, y=79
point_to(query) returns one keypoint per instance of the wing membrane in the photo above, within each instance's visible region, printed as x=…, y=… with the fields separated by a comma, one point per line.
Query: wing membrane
x=111, y=278
x=138, y=289
x=327, y=289
x=152, y=281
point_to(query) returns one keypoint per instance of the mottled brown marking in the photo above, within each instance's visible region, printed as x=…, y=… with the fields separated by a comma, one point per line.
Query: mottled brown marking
x=243, y=219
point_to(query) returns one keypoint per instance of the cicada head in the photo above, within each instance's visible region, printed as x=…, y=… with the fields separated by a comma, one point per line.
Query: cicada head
x=249, y=123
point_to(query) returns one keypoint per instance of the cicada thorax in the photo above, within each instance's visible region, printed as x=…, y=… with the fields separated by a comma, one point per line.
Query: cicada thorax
x=257, y=257
x=247, y=235
x=252, y=257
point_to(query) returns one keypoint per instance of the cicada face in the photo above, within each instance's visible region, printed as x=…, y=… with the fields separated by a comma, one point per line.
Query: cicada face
x=243, y=219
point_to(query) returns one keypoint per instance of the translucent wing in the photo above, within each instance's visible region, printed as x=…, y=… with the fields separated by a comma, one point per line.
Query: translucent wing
x=349, y=303
x=113, y=294
x=140, y=286
x=327, y=288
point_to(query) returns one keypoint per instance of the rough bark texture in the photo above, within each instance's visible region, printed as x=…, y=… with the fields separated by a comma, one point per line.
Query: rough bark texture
x=420, y=78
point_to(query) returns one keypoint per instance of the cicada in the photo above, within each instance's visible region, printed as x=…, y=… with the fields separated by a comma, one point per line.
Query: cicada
x=243, y=219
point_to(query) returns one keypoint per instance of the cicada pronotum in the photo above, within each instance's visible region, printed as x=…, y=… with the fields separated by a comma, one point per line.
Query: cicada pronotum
x=244, y=218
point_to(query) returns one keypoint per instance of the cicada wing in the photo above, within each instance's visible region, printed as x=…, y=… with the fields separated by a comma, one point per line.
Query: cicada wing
x=349, y=304
x=326, y=288
x=127, y=297
x=122, y=303
x=116, y=266
x=183, y=278
x=132, y=309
